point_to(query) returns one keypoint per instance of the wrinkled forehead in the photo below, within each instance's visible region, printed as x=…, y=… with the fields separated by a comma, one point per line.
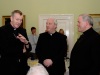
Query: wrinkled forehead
x=80, y=19
x=50, y=20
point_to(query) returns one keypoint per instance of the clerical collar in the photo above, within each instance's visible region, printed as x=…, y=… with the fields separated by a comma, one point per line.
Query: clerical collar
x=15, y=29
x=51, y=34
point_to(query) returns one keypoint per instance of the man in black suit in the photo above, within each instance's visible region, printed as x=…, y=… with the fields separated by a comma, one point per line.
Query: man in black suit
x=51, y=48
x=13, y=39
x=85, y=55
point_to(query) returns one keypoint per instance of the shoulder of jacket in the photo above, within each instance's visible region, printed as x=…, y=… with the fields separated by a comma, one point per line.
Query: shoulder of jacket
x=42, y=33
x=2, y=27
x=20, y=28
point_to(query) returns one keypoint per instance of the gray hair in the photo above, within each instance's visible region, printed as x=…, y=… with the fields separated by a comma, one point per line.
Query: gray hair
x=55, y=21
x=16, y=11
x=87, y=17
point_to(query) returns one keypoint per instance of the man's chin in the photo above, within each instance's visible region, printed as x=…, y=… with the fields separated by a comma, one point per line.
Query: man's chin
x=17, y=26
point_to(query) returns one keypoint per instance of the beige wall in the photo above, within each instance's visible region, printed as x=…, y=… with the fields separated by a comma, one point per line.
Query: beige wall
x=33, y=8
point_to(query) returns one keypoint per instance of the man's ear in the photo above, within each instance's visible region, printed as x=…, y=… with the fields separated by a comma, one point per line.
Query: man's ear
x=87, y=23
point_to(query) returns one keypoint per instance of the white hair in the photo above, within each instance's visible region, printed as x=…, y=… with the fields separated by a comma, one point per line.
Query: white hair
x=37, y=69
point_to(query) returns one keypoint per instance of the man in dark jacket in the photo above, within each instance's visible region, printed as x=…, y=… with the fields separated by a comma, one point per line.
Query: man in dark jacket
x=85, y=55
x=51, y=48
x=12, y=42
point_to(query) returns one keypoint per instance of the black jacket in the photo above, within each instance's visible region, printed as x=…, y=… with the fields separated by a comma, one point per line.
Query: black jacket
x=85, y=55
x=52, y=47
x=11, y=51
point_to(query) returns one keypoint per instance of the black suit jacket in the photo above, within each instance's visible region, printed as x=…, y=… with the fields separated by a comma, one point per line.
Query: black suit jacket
x=85, y=55
x=11, y=51
x=52, y=47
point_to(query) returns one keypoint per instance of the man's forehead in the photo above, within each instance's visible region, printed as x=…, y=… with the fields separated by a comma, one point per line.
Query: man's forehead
x=50, y=20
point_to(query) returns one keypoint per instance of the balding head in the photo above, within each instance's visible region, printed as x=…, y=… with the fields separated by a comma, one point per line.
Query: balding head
x=51, y=25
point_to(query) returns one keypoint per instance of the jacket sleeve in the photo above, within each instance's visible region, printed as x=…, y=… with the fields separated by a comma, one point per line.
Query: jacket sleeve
x=25, y=35
x=38, y=48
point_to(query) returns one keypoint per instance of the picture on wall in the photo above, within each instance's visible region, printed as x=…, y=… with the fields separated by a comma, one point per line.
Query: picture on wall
x=96, y=22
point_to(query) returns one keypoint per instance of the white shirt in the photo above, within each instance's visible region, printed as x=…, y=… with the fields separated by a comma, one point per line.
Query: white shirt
x=33, y=40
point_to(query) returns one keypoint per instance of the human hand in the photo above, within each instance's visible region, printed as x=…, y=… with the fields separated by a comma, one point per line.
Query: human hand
x=22, y=39
x=47, y=62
